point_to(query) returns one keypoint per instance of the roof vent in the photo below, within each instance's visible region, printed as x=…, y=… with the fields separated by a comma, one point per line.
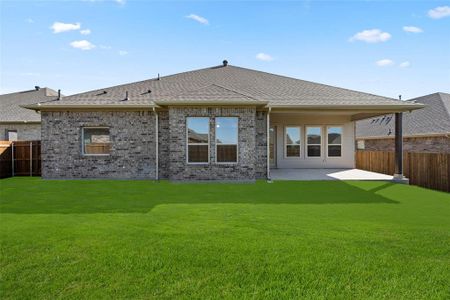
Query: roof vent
x=400, y=97
x=126, y=96
x=225, y=63
x=37, y=88
x=59, y=94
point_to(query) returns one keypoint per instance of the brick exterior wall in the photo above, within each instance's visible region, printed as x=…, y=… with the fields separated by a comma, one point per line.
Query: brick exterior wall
x=245, y=169
x=133, y=145
x=25, y=132
x=431, y=144
x=132, y=150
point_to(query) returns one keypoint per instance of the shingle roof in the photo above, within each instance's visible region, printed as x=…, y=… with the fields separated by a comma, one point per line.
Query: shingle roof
x=222, y=83
x=433, y=119
x=10, y=110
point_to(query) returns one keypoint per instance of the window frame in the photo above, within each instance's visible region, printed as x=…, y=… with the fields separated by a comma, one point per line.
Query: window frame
x=7, y=131
x=83, y=153
x=307, y=144
x=341, y=144
x=187, y=141
x=286, y=144
x=216, y=144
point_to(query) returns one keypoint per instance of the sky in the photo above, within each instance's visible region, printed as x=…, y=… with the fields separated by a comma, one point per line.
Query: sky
x=388, y=48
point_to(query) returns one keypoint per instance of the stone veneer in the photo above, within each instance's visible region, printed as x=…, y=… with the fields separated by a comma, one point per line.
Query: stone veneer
x=430, y=144
x=133, y=145
x=132, y=150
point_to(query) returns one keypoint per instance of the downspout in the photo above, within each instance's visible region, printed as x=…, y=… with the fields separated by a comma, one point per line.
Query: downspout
x=156, y=144
x=268, y=144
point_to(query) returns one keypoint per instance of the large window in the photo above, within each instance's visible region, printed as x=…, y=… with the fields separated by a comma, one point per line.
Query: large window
x=226, y=139
x=292, y=141
x=334, y=141
x=313, y=141
x=197, y=140
x=96, y=141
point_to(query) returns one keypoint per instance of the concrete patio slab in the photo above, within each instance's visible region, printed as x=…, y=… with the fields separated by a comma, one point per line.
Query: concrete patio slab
x=327, y=174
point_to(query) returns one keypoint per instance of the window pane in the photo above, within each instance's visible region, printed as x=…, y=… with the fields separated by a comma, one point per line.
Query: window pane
x=334, y=151
x=334, y=135
x=292, y=150
x=96, y=141
x=198, y=130
x=314, y=135
x=314, y=151
x=227, y=130
x=198, y=153
x=226, y=153
x=292, y=135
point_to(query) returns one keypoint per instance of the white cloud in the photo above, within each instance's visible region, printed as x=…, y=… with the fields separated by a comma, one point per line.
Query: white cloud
x=384, y=62
x=105, y=47
x=405, y=64
x=412, y=29
x=85, y=31
x=29, y=20
x=83, y=45
x=30, y=74
x=62, y=27
x=264, y=57
x=371, y=36
x=198, y=18
x=123, y=52
x=439, y=12
x=122, y=2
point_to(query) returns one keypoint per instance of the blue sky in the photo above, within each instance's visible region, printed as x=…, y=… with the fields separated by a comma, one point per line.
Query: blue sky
x=360, y=45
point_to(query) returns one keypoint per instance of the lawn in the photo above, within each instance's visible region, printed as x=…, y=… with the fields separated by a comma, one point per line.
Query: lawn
x=143, y=239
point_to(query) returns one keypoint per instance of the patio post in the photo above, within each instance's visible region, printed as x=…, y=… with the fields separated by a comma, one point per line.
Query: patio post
x=398, y=174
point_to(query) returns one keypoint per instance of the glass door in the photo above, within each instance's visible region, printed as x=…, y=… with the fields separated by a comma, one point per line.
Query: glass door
x=273, y=146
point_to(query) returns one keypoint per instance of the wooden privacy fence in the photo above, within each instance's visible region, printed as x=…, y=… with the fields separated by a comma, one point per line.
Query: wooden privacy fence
x=20, y=158
x=429, y=170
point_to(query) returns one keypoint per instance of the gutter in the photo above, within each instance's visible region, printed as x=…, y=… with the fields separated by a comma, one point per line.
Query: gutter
x=394, y=107
x=39, y=106
x=156, y=143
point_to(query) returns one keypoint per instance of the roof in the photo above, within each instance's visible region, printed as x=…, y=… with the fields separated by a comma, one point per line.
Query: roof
x=433, y=119
x=10, y=104
x=226, y=85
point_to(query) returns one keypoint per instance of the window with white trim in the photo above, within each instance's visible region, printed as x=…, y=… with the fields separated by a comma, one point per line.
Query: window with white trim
x=334, y=139
x=227, y=139
x=197, y=140
x=313, y=141
x=96, y=141
x=292, y=141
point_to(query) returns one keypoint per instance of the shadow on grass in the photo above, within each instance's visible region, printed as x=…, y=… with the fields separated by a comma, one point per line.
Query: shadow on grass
x=33, y=195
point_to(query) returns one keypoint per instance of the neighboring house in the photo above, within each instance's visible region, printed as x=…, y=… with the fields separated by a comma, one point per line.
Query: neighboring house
x=208, y=124
x=424, y=130
x=18, y=123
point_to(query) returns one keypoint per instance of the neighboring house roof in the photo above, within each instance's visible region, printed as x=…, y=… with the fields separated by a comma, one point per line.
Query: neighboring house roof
x=433, y=119
x=226, y=84
x=10, y=104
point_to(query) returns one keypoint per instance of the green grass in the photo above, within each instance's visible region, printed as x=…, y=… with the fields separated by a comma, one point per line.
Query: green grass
x=143, y=239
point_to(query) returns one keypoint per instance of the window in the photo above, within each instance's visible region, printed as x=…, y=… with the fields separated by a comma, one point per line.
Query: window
x=226, y=139
x=96, y=141
x=11, y=135
x=334, y=141
x=292, y=141
x=360, y=144
x=197, y=140
x=313, y=141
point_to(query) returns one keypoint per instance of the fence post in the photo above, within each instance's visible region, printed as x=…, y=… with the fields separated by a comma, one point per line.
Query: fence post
x=31, y=158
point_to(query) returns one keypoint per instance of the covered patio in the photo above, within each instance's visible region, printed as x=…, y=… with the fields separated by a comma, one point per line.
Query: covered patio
x=327, y=174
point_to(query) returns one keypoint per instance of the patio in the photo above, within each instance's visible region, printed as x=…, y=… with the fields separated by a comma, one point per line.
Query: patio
x=326, y=174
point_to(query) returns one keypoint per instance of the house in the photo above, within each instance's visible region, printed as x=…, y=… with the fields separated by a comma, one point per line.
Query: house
x=425, y=130
x=18, y=123
x=207, y=124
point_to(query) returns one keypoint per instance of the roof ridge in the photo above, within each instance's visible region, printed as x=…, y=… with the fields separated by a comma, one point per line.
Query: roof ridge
x=236, y=91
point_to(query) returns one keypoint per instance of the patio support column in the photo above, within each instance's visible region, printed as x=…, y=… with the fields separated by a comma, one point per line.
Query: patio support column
x=398, y=174
x=268, y=143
